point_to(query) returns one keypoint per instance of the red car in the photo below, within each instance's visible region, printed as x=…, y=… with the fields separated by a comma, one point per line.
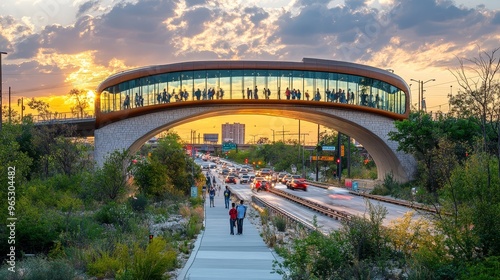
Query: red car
x=297, y=184
x=230, y=179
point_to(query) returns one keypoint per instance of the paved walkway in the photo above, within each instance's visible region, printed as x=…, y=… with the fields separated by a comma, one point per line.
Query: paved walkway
x=219, y=255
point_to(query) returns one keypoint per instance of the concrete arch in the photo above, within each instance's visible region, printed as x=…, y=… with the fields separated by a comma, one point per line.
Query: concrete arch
x=367, y=128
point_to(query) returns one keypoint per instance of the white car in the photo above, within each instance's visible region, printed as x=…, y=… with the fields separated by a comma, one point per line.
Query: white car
x=244, y=179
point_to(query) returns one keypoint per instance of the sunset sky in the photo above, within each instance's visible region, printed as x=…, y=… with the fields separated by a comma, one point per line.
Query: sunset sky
x=54, y=46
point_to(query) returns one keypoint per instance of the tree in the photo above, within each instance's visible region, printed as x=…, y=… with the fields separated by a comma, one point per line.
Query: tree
x=422, y=137
x=471, y=202
x=13, y=116
x=111, y=180
x=480, y=96
x=81, y=100
x=41, y=107
x=170, y=153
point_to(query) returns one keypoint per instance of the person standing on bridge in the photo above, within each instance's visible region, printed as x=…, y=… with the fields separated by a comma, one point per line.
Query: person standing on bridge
x=241, y=214
x=227, y=197
x=232, y=218
x=211, y=194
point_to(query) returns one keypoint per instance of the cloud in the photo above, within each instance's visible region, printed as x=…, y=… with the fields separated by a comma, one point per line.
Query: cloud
x=496, y=18
x=137, y=33
x=256, y=14
x=26, y=47
x=86, y=7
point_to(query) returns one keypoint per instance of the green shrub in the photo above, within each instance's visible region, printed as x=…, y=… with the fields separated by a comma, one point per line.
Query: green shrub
x=39, y=268
x=117, y=214
x=151, y=263
x=487, y=269
x=193, y=226
x=264, y=217
x=138, y=203
x=103, y=265
x=280, y=223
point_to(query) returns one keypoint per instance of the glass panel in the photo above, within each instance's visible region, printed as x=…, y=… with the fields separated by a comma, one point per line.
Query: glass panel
x=309, y=89
x=286, y=83
x=261, y=83
x=237, y=90
x=321, y=86
x=272, y=83
x=174, y=84
x=333, y=86
x=212, y=84
x=342, y=88
x=225, y=84
x=200, y=85
x=187, y=85
x=297, y=85
x=249, y=83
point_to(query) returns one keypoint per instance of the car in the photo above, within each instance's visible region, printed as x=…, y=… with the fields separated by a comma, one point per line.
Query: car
x=281, y=175
x=335, y=193
x=230, y=179
x=205, y=166
x=297, y=184
x=293, y=177
x=259, y=184
x=255, y=180
x=244, y=179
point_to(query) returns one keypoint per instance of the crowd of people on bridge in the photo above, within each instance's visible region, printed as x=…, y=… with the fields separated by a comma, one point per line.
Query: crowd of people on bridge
x=338, y=96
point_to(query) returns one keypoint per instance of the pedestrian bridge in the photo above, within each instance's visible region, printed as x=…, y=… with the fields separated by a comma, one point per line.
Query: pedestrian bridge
x=356, y=100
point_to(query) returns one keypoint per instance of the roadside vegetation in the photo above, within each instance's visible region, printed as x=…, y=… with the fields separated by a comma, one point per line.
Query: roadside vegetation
x=79, y=221
x=458, y=174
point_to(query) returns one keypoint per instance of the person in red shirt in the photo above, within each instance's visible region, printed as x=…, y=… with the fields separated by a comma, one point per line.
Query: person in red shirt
x=232, y=218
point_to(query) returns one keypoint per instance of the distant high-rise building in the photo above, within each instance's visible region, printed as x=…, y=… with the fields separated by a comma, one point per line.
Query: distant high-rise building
x=233, y=133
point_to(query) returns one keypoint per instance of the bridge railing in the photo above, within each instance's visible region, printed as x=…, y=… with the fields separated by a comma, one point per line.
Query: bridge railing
x=63, y=117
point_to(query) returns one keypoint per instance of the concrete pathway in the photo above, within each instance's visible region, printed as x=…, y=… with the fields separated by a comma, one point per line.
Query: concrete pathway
x=219, y=255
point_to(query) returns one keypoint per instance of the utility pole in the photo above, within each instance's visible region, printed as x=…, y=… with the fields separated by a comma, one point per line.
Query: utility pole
x=1, y=86
x=339, y=158
x=317, y=157
x=9, y=108
x=283, y=131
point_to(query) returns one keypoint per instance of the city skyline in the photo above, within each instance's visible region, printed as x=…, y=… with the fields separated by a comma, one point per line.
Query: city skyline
x=53, y=47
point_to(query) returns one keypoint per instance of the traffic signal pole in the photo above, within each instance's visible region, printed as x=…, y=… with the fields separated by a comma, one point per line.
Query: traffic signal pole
x=339, y=158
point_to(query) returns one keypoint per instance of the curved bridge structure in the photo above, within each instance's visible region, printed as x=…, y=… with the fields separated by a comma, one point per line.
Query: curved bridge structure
x=357, y=100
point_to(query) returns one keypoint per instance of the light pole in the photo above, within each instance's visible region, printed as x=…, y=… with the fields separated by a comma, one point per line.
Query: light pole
x=421, y=91
x=273, y=134
x=1, y=85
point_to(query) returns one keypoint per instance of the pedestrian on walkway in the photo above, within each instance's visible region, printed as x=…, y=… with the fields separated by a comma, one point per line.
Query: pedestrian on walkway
x=241, y=214
x=227, y=197
x=218, y=190
x=211, y=193
x=232, y=218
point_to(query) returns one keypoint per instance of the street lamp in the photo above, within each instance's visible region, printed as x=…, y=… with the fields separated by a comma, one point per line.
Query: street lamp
x=273, y=134
x=1, y=85
x=421, y=90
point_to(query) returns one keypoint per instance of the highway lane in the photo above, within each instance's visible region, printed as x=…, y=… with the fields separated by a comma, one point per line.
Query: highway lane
x=346, y=202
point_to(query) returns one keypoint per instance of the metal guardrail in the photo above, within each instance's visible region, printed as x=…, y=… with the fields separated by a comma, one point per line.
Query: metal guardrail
x=327, y=211
x=409, y=204
x=62, y=117
x=262, y=203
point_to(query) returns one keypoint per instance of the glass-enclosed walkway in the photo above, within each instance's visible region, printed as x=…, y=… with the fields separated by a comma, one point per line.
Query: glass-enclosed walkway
x=203, y=85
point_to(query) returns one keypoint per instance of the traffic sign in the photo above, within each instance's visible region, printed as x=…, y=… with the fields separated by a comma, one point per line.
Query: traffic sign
x=323, y=158
x=228, y=146
x=328, y=148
